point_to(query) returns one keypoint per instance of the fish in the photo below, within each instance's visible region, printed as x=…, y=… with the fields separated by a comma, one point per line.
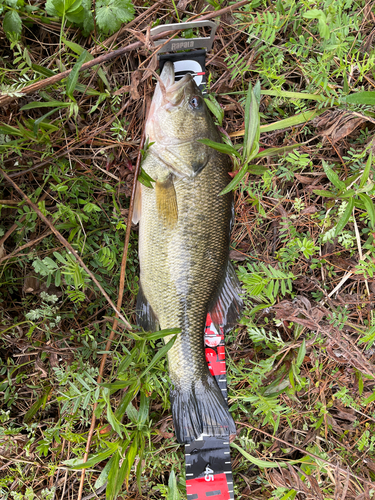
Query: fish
x=184, y=236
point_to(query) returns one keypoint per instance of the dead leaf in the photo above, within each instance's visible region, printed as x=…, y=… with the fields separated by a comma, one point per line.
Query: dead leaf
x=54, y=360
x=139, y=35
x=309, y=210
x=31, y=284
x=303, y=179
x=182, y=5
x=136, y=78
x=122, y=90
x=239, y=256
x=338, y=124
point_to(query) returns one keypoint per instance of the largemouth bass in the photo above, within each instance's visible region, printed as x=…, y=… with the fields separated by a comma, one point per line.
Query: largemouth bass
x=183, y=249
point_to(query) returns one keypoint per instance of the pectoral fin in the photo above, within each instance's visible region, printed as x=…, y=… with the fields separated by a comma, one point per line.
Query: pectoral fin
x=137, y=209
x=166, y=201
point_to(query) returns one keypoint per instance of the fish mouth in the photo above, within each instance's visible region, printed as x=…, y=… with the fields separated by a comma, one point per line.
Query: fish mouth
x=168, y=91
x=167, y=77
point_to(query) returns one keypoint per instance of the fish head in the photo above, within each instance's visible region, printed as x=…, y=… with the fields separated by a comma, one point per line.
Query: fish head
x=178, y=117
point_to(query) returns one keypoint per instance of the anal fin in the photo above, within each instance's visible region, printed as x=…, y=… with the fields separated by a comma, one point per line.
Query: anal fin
x=228, y=304
x=146, y=317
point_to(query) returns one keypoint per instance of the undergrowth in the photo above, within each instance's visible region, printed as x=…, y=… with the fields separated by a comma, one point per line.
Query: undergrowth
x=300, y=361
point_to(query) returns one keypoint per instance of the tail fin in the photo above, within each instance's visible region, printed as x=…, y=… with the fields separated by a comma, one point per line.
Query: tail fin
x=201, y=408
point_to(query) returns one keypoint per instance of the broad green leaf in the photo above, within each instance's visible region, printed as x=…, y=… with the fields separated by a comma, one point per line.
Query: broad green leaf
x=78, y=463
x=9, y=130
x=325, y=194
x=161, y=352
x=286, y=123
x=75, y=47
x=143, y=409
x=132, y=413
x=223, y=148
x=60, y=258
x=294, y=95
x=48, y=104
x=292, y=121
x=370, y=399
x=102, y=479
x=42, y=70
x=111, y=14
x=112, y=485
x=314, y=14
x=145, y=179
x=116, y=424
x=369, y=205
x=12, y=24
x=128, y=462
x=365, y=97
x=129, y=396
x=257, y=169
x=277, y=151
x=58, y=7
x=161, y=334
x=345, y=217
x=237, y=179
x=360, y=383
x=262, y=464
x=72, y=79
x=366, y=171
x=173, y=493
x=125, y=363
x=257, y=92
x=38, y=121
x=333, y=177
x=116, y=385
x=252, y=132
x=39, y=403
x=215, y=108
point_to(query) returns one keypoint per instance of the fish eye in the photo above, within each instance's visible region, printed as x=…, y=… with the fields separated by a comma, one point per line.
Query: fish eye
x=195, y=102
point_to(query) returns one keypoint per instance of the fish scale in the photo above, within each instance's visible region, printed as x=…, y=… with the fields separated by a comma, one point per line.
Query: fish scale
x=188, y=260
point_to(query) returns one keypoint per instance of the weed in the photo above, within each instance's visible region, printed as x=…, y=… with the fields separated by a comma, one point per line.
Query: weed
x=293, y=92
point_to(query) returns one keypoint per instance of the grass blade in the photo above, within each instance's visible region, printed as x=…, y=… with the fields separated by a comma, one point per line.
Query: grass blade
x=72, y=79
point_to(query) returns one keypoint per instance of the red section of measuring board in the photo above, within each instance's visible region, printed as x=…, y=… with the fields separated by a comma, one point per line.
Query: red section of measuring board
x=208, y=465
x=215, y=353
x=213, y=486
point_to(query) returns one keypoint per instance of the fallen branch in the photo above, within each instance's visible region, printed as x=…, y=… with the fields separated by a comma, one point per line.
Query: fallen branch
x=26, y=245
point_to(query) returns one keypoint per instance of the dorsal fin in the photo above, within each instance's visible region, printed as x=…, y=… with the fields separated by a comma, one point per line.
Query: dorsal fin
x=166, y=201
x=228, y=304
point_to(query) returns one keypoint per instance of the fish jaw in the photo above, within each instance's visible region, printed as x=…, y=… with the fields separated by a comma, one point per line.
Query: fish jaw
x=168, y=94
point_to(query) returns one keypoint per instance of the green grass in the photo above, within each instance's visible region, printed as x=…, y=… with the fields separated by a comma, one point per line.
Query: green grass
x=300, y=361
